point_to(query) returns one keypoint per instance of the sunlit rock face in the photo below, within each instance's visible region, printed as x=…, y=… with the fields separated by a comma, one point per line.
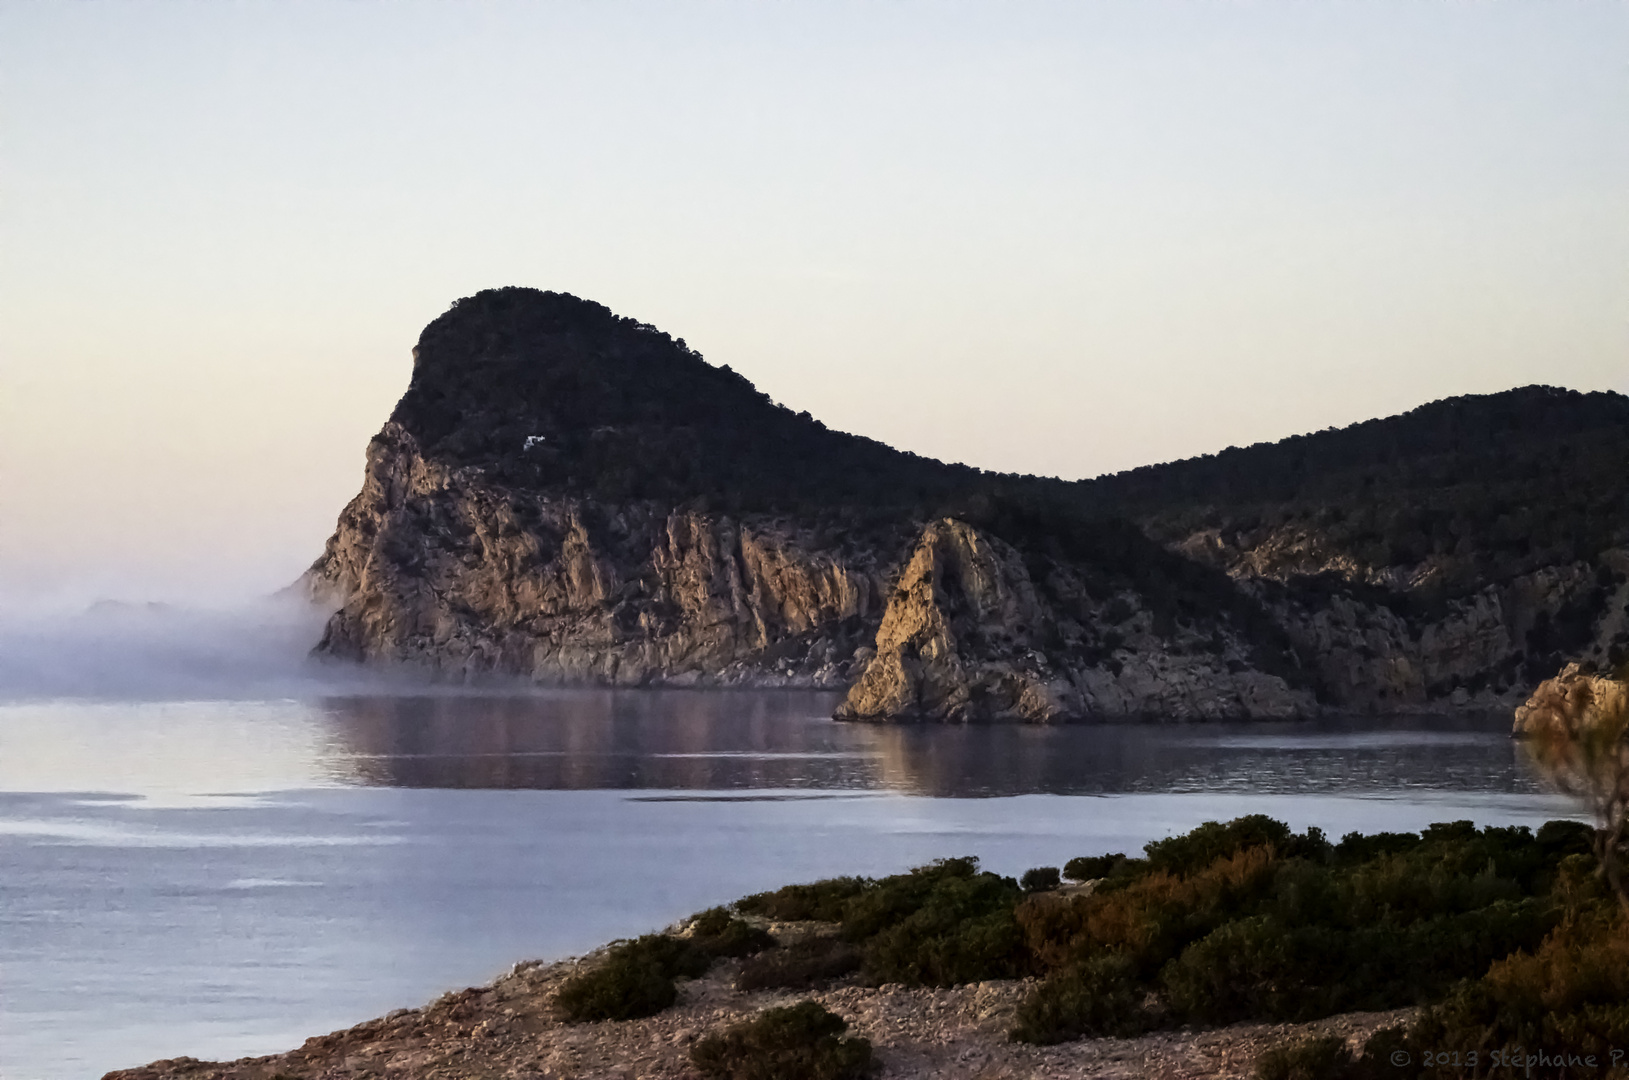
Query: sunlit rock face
x=566, y=496
x=433, y=565
x=969, y=635
x=1572, y=701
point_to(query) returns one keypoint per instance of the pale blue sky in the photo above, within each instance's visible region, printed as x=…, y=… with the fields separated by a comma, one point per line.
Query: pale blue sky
x=1061, y=238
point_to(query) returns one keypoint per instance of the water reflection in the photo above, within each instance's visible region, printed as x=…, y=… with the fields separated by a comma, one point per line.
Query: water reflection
x=750, y=740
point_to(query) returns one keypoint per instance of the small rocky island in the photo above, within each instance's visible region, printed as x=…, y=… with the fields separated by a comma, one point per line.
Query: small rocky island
x=570, y=496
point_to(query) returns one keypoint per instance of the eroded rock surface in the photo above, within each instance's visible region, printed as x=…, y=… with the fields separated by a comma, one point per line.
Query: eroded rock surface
x=1571, y=702
x=969, y=635
x=437, y=566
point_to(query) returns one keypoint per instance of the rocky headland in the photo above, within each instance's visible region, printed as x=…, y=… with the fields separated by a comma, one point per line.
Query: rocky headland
x=566, y=496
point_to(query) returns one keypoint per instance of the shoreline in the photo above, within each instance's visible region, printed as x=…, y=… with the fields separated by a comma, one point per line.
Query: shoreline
x=509, y=1028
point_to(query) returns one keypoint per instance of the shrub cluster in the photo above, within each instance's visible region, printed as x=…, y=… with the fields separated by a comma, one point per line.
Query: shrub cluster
x=1507, y=934
x=1246, y=920
x=1560, y=1010
x=800, y=1042
x=637, y=976
x=938, y=925
x=719, y=934
x=822, y=900
x=635, y=980
x=1091, y=867
x=1040, y=879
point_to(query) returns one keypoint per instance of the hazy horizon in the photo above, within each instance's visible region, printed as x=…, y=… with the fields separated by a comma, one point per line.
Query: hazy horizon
x=1044, y=238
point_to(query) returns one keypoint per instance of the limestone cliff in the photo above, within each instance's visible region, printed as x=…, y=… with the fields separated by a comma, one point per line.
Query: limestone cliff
x=969, y=635
x=436, y=566
x=565, y=495
x=1381, y=639
x=1571, y=702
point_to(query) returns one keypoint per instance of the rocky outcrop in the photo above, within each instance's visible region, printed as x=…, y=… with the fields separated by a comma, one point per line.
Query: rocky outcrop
x=436, y=566
x=968, y=635
x=1571, y=702
x=1376, y=647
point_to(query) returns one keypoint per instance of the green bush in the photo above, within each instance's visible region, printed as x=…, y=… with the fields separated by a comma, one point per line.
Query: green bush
x=1148, y=919
x=716, y=933
x=804, y=965
x=957, y=929
x=893, y=899
x=821, y=901
x=1040, y=879
x=1193, y=851
x=1092, y=867
x=635, y=980
x=1262, y=969
x=932, y=948
x=1100, y=998
x=1570, y=996
x=801, y=1042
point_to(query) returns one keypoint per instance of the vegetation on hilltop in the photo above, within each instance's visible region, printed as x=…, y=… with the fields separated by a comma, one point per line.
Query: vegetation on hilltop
x=1487, y=486
x=620, y=409
x=550, y=392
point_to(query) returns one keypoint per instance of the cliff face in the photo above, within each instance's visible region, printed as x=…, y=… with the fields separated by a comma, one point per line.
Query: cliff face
x=436, y=566
x=568, y=496
x=969, y=635
x=1383, y=639
x=1573, y=701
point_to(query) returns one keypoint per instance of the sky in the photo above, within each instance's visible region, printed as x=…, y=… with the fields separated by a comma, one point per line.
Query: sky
x=1058, y=238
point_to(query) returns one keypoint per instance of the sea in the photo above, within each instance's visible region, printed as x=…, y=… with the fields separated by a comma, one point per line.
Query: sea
x=192, y=871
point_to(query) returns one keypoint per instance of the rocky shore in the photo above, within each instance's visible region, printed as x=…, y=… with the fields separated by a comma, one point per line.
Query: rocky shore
x=510, y=1029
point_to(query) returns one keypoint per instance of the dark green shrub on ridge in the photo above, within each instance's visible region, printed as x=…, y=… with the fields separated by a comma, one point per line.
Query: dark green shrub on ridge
x=1100, y=998
x=1040, y=879
x=719, y=934
x=883, y=903
x=800, y=1042
x=1569, y=996
x=947, y=924
x=821, y=901
x=1091, y=867
x=1193, y=851
x=1284, y=927
x=635, y=980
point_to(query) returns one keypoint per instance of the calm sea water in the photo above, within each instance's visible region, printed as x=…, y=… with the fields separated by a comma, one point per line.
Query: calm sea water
x=226, y=878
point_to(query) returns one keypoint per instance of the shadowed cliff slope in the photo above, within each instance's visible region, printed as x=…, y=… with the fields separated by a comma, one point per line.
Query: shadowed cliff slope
x=566, y=495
